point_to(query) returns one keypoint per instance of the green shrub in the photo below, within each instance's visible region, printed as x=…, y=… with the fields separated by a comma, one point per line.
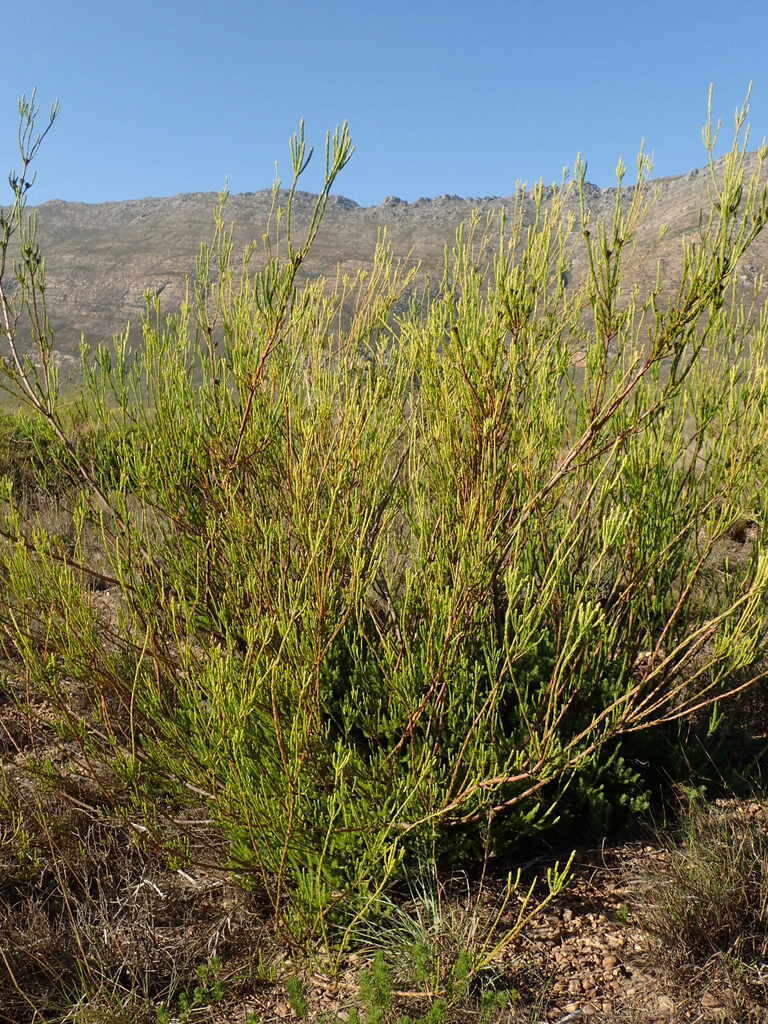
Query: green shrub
x=401, y=588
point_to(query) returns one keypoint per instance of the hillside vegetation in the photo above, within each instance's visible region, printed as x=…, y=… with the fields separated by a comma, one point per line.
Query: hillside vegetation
x=321, y=601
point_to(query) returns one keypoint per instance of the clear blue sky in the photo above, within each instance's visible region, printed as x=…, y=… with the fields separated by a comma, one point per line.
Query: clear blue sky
x=466, y=98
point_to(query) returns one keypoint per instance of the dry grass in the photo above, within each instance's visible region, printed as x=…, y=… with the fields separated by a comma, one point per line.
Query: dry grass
x=705, y=906
x=94, y=924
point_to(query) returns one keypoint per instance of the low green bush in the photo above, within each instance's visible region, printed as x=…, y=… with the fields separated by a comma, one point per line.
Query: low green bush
x=397, y=591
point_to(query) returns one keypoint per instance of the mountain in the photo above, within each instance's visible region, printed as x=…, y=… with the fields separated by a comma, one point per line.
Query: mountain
x=102, y=258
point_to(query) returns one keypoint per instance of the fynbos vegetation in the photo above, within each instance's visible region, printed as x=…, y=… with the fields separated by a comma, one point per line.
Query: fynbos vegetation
x=338, y=589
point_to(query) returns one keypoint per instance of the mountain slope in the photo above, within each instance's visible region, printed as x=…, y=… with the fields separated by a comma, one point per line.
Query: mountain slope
x=102, y=258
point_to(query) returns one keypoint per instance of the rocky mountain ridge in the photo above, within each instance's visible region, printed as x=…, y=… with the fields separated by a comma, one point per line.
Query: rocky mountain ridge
x=102, y=258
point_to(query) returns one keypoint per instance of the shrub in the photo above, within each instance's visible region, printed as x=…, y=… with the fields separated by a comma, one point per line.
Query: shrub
x=397, y=590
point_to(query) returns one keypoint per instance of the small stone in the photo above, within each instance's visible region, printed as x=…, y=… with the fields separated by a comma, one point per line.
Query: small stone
x=710, y=1000
x=609, y=962
x=589, y=1009
x=571, y=1007
x=567, y=914
x=574, y=986
x=665, y=1005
